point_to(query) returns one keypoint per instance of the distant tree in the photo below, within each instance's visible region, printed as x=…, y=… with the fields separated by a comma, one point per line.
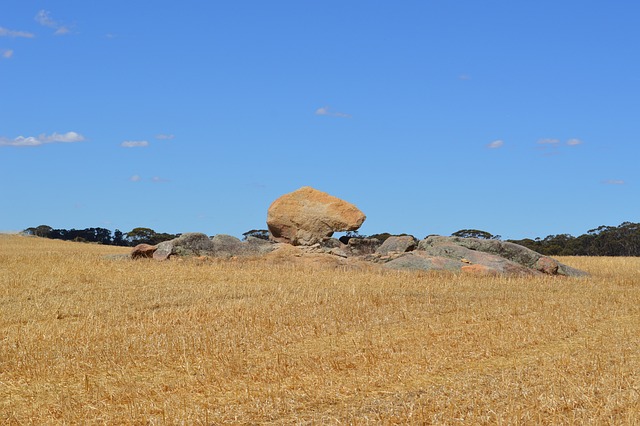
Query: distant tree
x=558, y=245
x=62, y=234
x=622, y=240
x=97, y=235
x=118, y=238
x=39, y=231
x=147, y=236
x=262, y=234
x=101, y=235
x=141, y=236
x=475, y=233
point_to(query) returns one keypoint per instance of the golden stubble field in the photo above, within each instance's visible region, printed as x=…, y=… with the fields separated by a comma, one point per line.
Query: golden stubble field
x=88, y=340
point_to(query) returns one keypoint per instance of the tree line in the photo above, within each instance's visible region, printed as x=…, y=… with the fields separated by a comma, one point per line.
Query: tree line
x=622, y=240
x=102, y=235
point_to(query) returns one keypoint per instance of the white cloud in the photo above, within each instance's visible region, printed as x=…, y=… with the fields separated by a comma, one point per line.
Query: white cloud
x=574, y=142
x=328, y=112
x=68, y=137
x=21, y=141
x=158, y=179
x=4, y=32
x=496, y=144
x=135, y=178
x=43, y=17
x=614, y=182
x=134, y=144
x=65, y=137
x=164, y=136
x=6, y=53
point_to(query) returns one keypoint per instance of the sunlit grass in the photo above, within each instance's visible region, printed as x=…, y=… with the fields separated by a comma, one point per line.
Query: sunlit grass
x=85, y=339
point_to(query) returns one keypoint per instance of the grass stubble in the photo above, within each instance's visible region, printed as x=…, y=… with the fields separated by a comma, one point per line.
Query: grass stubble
x=89, y=340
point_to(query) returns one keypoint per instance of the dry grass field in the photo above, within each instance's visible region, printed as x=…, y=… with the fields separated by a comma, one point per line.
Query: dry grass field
x=88, y=340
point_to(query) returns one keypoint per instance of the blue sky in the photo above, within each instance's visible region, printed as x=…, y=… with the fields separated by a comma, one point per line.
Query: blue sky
x=517, y=118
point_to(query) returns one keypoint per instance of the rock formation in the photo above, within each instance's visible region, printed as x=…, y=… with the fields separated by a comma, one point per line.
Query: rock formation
x=308, y=216
x=474, y=255
x=301, y=225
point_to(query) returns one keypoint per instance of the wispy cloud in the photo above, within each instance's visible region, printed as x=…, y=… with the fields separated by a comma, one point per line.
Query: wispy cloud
x=134, y=144
x=496, y=144
x=163, y=136
x=4, y=32
x=155, y=179
x=43, y=18
x=464, y=77
x=42, y=139
x=614, y=182
x=330, y=113
x=6, y=53
x=553, y=146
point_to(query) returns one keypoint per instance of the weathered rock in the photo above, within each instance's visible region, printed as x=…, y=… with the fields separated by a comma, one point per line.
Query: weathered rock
x=504, y=257
x=398, y=244
x=225, y=246
x=164, y=250
x=308, y=216
x=257, y=246
x=453, y=261
x=332, y=243
x=306, y=257
x=421, y=261
x=478, y=270
x=143, y=251
x=337, y=251
x=362, y=246
x=192, y=244
x=548, y=266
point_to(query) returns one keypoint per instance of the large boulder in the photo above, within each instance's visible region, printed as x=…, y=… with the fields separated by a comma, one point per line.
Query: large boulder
x=308, y=216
